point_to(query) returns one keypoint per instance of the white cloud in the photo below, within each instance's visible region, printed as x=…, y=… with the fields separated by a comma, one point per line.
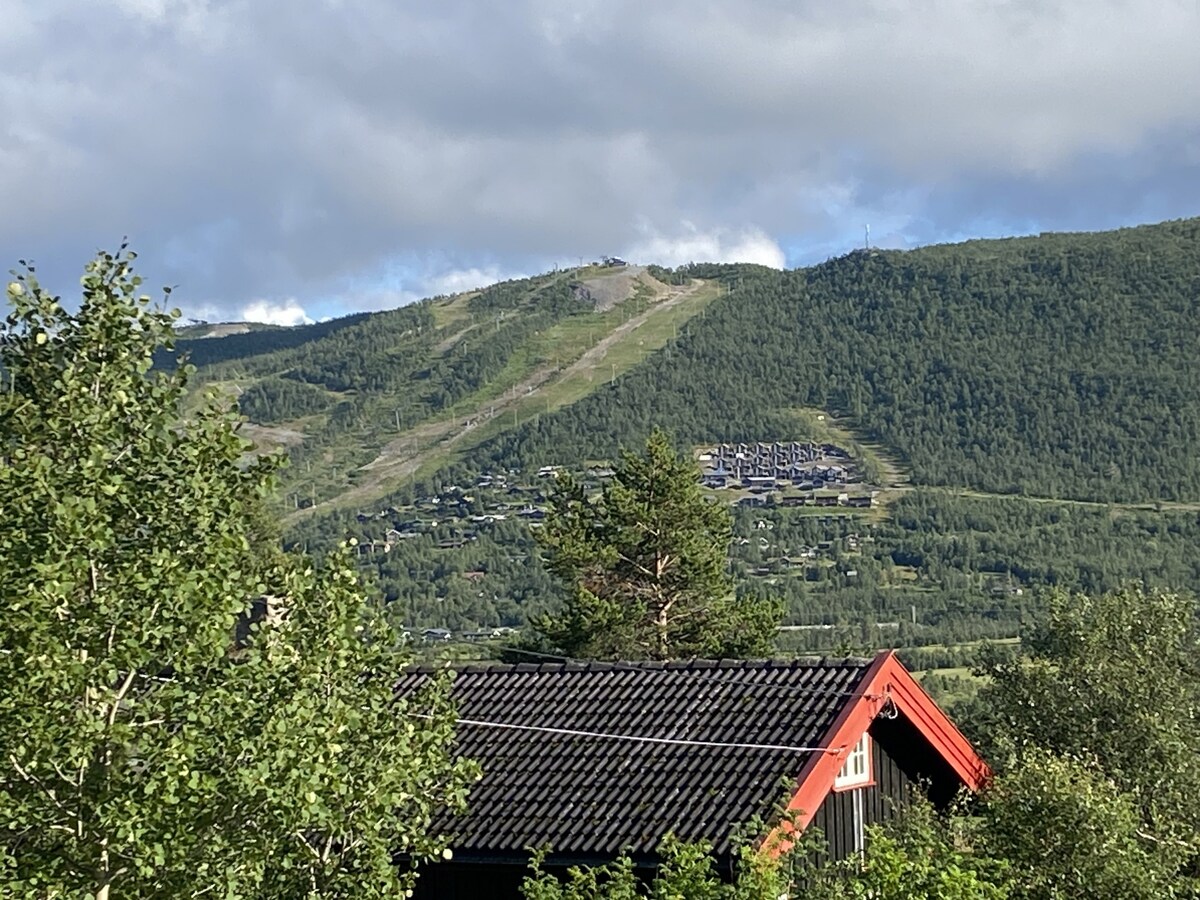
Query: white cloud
x=300, y=156
x=197, y=22
x=689, y=244
x=458, y=281
x=150, y=10
x=285, y=312
x=402, y=283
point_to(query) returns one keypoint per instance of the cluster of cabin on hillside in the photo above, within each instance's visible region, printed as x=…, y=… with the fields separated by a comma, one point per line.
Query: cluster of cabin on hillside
x=451, y=521
x=780, y=559
x=841, y=498
x=783, y=474
x=445, y=635
x=455, y=516
x=805, y=473
x=801, y=464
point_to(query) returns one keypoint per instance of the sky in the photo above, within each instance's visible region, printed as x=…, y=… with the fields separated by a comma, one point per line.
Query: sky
x=286, y=162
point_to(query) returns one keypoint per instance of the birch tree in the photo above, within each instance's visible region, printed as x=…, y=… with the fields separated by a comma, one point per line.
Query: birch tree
x=157, y=739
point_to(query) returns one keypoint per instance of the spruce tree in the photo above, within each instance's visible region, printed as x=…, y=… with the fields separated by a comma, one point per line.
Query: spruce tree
x=646, y=564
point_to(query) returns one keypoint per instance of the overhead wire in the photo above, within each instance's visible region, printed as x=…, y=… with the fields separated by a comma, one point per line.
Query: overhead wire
x=635, y=738
x=702, y=675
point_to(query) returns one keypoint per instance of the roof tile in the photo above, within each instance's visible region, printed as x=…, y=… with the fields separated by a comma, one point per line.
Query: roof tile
x=593, y=796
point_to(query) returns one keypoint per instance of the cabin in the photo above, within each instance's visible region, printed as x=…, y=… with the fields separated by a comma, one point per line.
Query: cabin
x=595, y=759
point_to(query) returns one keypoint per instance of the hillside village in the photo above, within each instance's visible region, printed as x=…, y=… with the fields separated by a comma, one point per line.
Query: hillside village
x=800, y=473
x=746, y=476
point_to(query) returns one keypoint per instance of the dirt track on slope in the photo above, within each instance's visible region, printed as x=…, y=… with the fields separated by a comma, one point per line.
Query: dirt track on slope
x=407, y=453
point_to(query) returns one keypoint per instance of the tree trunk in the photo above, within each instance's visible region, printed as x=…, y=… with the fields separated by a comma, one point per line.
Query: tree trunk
x=105, y=873
x=661, y=623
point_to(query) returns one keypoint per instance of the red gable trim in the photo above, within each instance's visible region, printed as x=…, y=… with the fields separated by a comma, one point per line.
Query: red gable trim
x=885, y=680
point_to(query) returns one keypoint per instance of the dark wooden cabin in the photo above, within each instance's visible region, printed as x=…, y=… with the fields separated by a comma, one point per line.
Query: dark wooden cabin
x=596, y=759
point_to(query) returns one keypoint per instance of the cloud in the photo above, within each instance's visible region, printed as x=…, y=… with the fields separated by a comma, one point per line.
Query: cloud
x=285, y=312
x=410, y=278
x=458, y=281
x=248, y=154
x=750, y=245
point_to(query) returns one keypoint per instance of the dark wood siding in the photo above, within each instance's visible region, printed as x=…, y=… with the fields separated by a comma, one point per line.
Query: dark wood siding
x=880, y=801
x=469, y=881
x=916, y=758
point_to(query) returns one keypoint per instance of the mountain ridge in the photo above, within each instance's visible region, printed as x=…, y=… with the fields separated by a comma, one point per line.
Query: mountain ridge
x=1035, y=401
x=1025, y=346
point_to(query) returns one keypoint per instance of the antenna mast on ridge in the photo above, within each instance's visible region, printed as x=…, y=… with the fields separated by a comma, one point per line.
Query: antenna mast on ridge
x=868, y=238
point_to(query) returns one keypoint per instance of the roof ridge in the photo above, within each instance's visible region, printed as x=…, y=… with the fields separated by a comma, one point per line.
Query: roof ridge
x=674, y=665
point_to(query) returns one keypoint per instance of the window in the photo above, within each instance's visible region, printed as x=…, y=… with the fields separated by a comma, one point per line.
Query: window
x=856, y=771
x=858, y=819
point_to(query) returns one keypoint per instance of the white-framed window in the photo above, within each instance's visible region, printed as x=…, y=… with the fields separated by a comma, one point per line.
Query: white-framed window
x=858, y=820
x=856, y=770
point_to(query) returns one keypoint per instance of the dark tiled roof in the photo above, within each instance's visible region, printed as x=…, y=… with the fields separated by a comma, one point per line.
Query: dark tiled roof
x=588, y=796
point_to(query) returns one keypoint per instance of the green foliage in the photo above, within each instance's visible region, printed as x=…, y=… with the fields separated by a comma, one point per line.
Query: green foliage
x=645, y=563
x=1112, y=678
x=1053, y=828
x=1066, y=830
x=919, y=856
x=258, y=340
x=1091, y=548
x=686, y=872
x=915, y=856
x=154, y=742
x=614, y=881
x=275, y=400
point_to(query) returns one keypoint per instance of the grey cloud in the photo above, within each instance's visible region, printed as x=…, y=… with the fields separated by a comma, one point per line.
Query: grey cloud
x=254, y=151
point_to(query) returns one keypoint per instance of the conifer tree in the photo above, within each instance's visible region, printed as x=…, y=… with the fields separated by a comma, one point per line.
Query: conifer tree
x=646, y=566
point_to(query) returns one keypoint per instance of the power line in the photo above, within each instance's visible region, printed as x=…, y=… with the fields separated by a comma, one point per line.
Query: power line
x=634, y=738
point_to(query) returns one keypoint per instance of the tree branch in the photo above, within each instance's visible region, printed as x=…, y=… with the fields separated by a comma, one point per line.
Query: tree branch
x=32, y=779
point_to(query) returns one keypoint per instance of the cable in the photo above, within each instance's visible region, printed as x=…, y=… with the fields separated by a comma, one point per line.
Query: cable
x=634, y=738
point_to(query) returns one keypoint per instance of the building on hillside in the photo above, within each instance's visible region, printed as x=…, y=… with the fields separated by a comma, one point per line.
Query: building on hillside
x=596, y=759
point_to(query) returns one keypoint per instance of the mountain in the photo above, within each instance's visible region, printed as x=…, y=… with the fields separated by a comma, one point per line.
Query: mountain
x=365, y=402
x=1062, y=366
x=1027, y=409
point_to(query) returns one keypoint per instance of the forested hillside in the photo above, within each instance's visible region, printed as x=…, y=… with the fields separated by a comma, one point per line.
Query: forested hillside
x=206, y=345
x=1034, y=401
x=1058, y=366
x=365, y=401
